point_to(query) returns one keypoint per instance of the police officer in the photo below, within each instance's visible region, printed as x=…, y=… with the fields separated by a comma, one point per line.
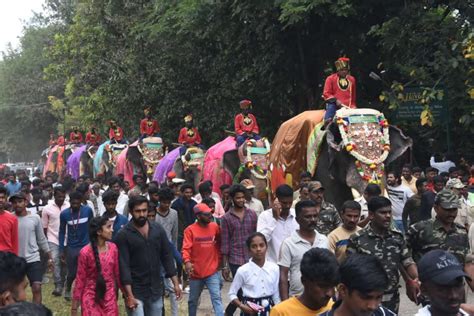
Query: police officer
x=329, y=218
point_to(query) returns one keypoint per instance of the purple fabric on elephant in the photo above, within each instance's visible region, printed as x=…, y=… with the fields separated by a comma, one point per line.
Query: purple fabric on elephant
x=166, y=165
x=74, y=162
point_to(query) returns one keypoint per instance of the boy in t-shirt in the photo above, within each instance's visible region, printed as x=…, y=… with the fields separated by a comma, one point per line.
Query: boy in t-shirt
x=8, y=226
x=338, y=238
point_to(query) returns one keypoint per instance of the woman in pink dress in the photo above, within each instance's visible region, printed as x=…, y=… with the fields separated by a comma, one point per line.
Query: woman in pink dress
x=97, y=273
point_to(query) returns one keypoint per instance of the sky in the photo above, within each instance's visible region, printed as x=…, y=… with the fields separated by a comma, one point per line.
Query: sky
x=12, y=15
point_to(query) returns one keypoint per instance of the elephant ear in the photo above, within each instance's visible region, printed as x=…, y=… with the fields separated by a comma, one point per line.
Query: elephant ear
x=399, y=143
x=334, y=146
x=231, y=161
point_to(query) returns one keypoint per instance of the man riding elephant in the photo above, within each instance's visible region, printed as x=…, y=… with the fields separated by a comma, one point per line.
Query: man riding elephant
x=92, y=137
x=339, y=90
x=75, y=137
x=189, y=135
x=115, y=133
x=246, y=126
x=52, y=140
x=149, y=127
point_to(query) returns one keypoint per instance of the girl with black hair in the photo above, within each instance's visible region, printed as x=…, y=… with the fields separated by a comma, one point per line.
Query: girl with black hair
x=97, y=273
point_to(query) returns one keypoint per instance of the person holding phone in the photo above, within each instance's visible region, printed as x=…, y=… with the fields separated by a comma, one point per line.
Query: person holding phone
x=258, y=280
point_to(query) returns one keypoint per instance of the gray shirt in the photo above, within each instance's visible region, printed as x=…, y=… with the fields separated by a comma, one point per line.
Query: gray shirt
x=170, y=224
x=31, y=238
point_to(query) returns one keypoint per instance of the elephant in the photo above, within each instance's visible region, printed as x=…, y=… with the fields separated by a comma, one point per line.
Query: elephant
x=87, y=160
x=104, y=160
x=248, y=162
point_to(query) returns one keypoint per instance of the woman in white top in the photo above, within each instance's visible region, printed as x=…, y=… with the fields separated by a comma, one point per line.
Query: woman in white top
x=258, y=280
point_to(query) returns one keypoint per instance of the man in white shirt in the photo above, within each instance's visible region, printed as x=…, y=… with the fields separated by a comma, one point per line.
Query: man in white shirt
x=278, y=222
x=250, y=201
x=398, y=195
x=408, y=179
x=444, y=165
x=114, y=185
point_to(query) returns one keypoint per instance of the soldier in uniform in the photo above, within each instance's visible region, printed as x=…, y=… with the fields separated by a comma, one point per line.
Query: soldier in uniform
x=149, y=127
x=189, y=135
x=92, y=137
x=379, y=239
x=245, y=124
x=329, y=218
x=441, y=232
x=75, y=137
x=115, y=133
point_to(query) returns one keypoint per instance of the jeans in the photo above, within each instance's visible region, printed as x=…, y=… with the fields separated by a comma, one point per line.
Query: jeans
x=147, y=308
x=195, y=288
x=170, y=290
x=59, y=268
x=398, y=223
x=72, y=255
x=331, y=109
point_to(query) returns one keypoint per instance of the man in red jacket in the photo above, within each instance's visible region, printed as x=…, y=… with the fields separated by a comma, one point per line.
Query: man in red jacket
x=148, y=126
x=339, y=90
x=189, y=135
x=115, y=133
x=92, y=137
x=75, y=137
x=202, y=259
x=246, y=126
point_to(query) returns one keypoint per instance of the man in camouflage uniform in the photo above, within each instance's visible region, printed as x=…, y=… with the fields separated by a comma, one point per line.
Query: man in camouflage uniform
x=329, y=218
x=379, y=239
x=441, y=232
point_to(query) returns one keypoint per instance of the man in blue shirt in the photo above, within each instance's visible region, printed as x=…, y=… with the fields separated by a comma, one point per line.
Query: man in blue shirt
x=75, y=221
x=13, y=186
x=110, y=199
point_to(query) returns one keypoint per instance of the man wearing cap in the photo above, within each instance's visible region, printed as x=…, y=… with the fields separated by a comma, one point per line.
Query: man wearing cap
x=463, y=218
x=202, y=259
x=149, y=127
x=245, y=123
x=442, y=282
x=189, y=135
x=441, y=232
x=329, y=218
x=250, y=201
x=75, y=137
x=339, y=90
x=92, y=137
x=30, y=240
x=116, y=133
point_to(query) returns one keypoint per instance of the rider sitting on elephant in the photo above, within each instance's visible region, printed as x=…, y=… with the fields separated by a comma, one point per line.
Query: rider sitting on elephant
x=116, y=133
x=246, y=126
x=92, y=137
x=52, y=141
x=189, y=135
x=75, y=137
x=148, y=126
x=61, y=140
x=339, y=90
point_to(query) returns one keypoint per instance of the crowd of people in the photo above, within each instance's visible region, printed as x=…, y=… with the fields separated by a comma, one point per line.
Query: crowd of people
x=301, y=256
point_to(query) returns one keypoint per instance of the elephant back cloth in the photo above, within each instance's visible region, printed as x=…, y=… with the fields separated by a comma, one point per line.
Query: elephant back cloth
x=365, y=136
x=73, y=165
x=166, y=165
x=151, y=149
x=125, y=166
x=213, y=163
x=288, y=154
x=98, y=162
x=48, y=166
x=254, y=156
x=114, y=150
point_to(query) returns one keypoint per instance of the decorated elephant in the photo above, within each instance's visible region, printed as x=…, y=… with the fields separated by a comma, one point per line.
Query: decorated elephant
x=57, y=158
x=188, y=166
x=105, y=158
x=352, y=152
x=81, y=161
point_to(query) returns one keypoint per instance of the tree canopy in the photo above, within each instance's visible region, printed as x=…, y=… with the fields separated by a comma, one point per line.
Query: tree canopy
x=96, y=60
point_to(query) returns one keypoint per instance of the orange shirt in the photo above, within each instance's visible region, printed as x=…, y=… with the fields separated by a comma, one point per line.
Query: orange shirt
x=343, y=89
x=8, y=232
x=201, y=247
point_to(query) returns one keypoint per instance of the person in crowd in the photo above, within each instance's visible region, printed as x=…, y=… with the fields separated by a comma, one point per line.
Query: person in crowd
x=442, y=282
x=114, y=185
x=398, y=195
x=371, y=190
x=8, y=226
x=408, y=179
x=430, y=174
x=363, y=281
x=84, y=188
x=144, y=250
x=189, y=135
x=339, y=238
x=92, y=137
x=75, y=137
x=258, y=280
x=339, y=90
x=97, y=272
x=153, y=195
x=250, y=201
x=140, y=186
x=13, y=186
x=277, y=223
x=446, y=163
x=428, y=197
x=117, y=220
x=226, y=200
x=416, y=172
x=205, y=191
x=13, y=281
x=236, y=226
x=116, y=133
x=184, y=205
x=167, y=216
x=381, y=240
x=201, y=258
x=245, y=124
x=31, y=240
x=441, y=232
x=412, y=209
x=463, y=217
x=149, y=127
x=319, y=272
x=48, y=192
x=50, y=218
x=73, y=231
x=94, y=196
x=35, y=205
x=305, y=179
x=293, y=248
x=329, y=218
x=454, y=173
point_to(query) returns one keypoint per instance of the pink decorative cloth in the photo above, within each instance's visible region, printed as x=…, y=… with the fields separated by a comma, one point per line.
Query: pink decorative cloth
x=213, y=167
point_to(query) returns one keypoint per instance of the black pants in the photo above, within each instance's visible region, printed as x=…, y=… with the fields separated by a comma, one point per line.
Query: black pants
x=231, y=308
